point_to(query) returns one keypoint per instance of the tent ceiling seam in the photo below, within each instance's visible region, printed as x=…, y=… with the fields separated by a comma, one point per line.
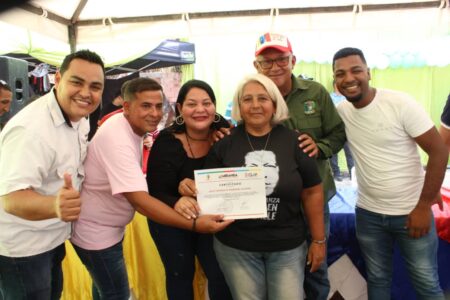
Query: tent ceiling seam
x=39, y=11
x=242, y=13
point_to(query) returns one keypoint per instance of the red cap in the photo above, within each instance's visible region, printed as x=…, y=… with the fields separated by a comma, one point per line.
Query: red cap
x=273, y=40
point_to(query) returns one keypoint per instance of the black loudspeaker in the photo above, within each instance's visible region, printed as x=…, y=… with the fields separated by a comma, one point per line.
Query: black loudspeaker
x=15, y=72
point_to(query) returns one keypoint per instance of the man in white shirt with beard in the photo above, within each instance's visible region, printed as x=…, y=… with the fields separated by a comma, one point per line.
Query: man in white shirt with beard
x=383, y=129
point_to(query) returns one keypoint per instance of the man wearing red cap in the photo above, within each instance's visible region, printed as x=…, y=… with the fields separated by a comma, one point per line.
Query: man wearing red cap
x=314, y=115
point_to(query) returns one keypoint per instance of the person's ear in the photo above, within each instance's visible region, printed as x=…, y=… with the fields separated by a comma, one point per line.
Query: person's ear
x=255, y=64
x=126, y=108
x=368, y=73
x=293, y=60
x=57, y=79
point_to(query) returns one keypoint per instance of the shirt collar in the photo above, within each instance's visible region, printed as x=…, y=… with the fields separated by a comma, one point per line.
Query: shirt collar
x=58, y=115
x=298, y=83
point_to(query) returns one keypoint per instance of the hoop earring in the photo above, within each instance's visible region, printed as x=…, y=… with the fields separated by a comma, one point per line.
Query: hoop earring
x=179, y=120
x=216, y=118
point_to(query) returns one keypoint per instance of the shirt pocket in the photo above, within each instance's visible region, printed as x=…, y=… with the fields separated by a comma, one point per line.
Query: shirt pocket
x=312, y=125
x=60, y=171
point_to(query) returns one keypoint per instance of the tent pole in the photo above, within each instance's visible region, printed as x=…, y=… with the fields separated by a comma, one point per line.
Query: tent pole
x=72, y=31
x=72, y=28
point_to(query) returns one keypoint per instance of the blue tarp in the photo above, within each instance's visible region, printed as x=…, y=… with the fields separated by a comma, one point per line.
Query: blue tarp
x=168, y=53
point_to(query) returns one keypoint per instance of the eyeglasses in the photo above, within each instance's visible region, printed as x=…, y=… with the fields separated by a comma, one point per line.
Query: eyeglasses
x=280, y=61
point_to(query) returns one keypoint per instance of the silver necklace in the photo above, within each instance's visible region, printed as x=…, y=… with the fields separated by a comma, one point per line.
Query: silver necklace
x=250, y=143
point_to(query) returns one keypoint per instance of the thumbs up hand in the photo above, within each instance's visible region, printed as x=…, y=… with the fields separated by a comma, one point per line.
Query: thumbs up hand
x=68, y=202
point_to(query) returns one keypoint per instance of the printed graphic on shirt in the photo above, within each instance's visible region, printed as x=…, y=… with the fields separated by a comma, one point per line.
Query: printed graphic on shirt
x=268, y=161
x=272, y=208
x=309, y=107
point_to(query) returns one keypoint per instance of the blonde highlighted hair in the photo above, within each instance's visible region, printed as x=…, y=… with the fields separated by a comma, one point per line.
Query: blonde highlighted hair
x=281, y=110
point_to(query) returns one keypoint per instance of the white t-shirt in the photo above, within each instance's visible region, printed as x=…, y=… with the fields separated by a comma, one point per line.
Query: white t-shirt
x=113, y=166
x=37, y=147
x=381, y=137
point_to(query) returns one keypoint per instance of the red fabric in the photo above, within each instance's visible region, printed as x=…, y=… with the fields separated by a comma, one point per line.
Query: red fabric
x=145, y=155
x=102, y=120
x=442, y=218
x=146, y=151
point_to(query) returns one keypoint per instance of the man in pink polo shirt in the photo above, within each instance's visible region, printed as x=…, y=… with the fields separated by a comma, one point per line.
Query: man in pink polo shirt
x=115, y=187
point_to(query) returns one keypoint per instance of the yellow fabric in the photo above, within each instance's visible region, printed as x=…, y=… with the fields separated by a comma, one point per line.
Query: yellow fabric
x=145, y=269
x=187, y=73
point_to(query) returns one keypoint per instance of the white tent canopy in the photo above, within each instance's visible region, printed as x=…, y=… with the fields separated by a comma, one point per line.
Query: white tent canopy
x=120, y=31
x=391, y=33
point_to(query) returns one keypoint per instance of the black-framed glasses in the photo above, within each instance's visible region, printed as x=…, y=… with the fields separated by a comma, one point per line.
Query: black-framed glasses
x=282, y=61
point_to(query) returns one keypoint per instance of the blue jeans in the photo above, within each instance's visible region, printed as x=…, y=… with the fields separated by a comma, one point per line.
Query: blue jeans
x=263, y=275
x=178, y=249
x=37, y=277
x=376, y=235
x=335, y=163
x=108, y=271
x=317, y=285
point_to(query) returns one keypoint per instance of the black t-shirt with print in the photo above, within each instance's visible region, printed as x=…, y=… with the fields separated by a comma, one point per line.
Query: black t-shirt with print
x=287, y=169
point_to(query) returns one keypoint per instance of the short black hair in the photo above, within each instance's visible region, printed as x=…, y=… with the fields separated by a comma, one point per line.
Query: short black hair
x=348, y=51
x=138, y=85
x=84, y=55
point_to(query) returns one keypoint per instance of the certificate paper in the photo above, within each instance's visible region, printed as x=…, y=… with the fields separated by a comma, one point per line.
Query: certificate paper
x=237, y=193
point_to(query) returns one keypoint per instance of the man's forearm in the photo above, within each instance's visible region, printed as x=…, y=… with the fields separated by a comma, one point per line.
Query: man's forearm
x=434, y=176
x=156, y=210
x=30, y=205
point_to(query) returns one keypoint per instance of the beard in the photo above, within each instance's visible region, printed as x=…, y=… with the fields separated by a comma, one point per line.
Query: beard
x=354, y=99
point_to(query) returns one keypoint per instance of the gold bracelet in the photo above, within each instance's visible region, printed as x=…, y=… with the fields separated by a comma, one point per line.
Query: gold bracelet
x=320, y=241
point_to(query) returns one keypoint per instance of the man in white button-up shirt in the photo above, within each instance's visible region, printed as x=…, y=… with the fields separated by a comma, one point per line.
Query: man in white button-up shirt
x=42, y=149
